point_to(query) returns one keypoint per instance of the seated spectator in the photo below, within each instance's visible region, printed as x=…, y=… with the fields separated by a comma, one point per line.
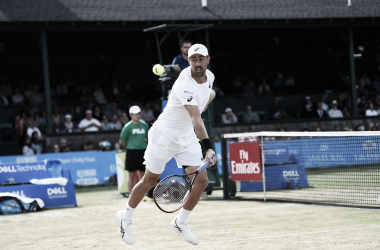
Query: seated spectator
x=376, y=82
x=147, y=114
x=325, y=106
x=27, y=148
x=115, y=123
x=360, y=127
x=18, y=98
x=308, y=108
x=89, y=124
x=36, y=143
x=114, y=110
x=56, y=148
x=97, y=114
x=57, y=119
x=362, y=104
x=116, y=146
x=115, y=92
x=370, y=111
x=3, y=99
x=104, y=146
x=249, y=116
x=264, y=89
x=62, y=143
x=88, y=146
x=65, y=149
x=36, y=99
x=275, y=110
x=123, y=119
x=319, y=113
x=364, y=82
x=345, y=112
x=68, y=126
x=28, y=92
x=229, y=117
x=77, y=116
x=334, y=112
x=32, y=128
x=289, y=82
x=105, y=124
x=98, y=95
x=85, y=95
x=249, y=88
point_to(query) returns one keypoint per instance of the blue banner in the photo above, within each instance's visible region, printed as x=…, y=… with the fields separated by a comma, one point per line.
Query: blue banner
x=87, y=168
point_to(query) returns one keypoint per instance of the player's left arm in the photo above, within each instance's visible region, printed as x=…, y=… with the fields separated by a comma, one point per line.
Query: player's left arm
x=201, y=132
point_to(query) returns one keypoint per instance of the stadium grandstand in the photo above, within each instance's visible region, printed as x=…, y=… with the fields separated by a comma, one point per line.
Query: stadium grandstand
x=275, y=63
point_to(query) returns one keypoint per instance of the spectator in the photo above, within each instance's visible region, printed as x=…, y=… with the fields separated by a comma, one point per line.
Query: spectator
x=32, y=128
x=85, y=95
x=182, y=59
x=289, y=82
x=89, y=124
x=360, y=127
x=371, y=126
x=264, y=89
x=98, y=95
x=113, y=111
x=68, y=126
x=376, y=82
x=28, y=92
x=97, y=114
x=41, y=120
x=3, y=99
x=319, y=113
x=65, y=149
x=7, y=88
x=57, y=119
x=325, y=106
x=123, y=119
x=275, y=111
x=115, y=123
x=104, y=146
x=229, y=117
x=105, y=124
x=18, y=98
x=237, y=86
x=362, y=104
x=147, y=114
x=345, y=112
x=218, y=91
x=56, y=148
x=249, y=116
x=62, y=143
x=308, y=108
x=334, y=112
x=77, y=116
x=370, y=111
x=36, y=99
x=364, y=82
x=27, y=148
x=88, y=146
x=36, y=143
x=116, y=146
x=115, y=92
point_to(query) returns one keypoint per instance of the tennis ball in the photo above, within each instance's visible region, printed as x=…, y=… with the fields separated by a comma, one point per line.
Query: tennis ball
x=158, y=69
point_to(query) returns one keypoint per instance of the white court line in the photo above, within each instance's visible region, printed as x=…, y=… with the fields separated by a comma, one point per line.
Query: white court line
x=291, y=235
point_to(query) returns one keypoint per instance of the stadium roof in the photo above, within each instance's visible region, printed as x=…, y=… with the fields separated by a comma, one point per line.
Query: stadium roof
x=181, y=10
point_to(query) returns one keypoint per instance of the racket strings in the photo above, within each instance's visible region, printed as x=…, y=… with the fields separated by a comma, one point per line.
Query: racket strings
x=171, y=193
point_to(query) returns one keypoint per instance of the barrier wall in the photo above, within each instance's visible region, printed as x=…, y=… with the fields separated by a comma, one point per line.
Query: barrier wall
x=86, y=167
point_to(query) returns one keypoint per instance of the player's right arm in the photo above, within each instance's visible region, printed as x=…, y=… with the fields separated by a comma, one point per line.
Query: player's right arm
x=200, y=130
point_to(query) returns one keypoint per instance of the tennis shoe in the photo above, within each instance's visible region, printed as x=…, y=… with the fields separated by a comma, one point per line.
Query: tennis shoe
x=184, y=230
x=125, y=228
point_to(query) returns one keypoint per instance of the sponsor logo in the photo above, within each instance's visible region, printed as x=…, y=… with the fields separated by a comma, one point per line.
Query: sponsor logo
x=22, y=168
x=189, y=99
x=188, y=92
x=244, y=167
x=275, y=151
x=290, y=173
x=369, y=145
x=8, y=169
x=86, y=173
x=138, y=131
x=20, y=193
x=26, y=159
x=87, y=181
x=56, y=193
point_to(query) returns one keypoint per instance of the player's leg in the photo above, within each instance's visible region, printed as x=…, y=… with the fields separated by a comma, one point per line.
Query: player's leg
x=142, y=187
x=199, y=186
x=131, y=180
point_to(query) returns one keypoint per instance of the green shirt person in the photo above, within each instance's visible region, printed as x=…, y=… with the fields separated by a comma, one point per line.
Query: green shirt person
x=133, y=137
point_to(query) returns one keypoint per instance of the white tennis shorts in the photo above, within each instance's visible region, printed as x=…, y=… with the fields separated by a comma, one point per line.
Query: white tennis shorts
x=162, y=148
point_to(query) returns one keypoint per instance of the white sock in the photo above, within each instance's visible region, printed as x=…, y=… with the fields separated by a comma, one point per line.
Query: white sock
x=128, y=213
x=183, y=215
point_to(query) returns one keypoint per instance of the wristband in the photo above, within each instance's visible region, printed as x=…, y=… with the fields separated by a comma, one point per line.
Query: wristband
x=206, y=143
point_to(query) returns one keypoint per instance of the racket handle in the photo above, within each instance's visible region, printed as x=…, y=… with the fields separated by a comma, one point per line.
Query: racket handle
x=204, y=166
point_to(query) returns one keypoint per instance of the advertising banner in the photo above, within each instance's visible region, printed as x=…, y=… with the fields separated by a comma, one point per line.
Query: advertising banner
x=245, y=163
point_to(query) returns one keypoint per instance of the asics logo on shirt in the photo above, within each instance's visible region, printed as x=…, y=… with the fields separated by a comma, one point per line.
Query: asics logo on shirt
x=189, y=99
x=209, y=85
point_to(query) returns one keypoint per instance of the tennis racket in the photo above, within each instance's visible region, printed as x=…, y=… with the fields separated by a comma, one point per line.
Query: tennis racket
x=172, y=192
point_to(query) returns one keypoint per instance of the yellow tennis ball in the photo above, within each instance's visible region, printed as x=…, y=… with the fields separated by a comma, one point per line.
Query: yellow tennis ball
x=158, y=69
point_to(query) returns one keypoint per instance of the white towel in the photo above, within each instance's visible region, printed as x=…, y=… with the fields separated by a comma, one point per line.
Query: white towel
x=60, y=180
x=25, y=199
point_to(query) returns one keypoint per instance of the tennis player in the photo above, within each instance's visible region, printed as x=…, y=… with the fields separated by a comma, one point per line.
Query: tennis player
x=172, y=135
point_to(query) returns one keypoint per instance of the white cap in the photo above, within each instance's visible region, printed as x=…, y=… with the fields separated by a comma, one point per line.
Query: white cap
x=88, y=111
x=134, y=110
x=68, y=116
x=228, y=110
x=307, y=98
x=198, y=49
x=334, y=102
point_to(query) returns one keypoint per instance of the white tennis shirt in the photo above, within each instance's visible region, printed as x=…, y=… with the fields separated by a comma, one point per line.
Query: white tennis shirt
x=175, y=120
